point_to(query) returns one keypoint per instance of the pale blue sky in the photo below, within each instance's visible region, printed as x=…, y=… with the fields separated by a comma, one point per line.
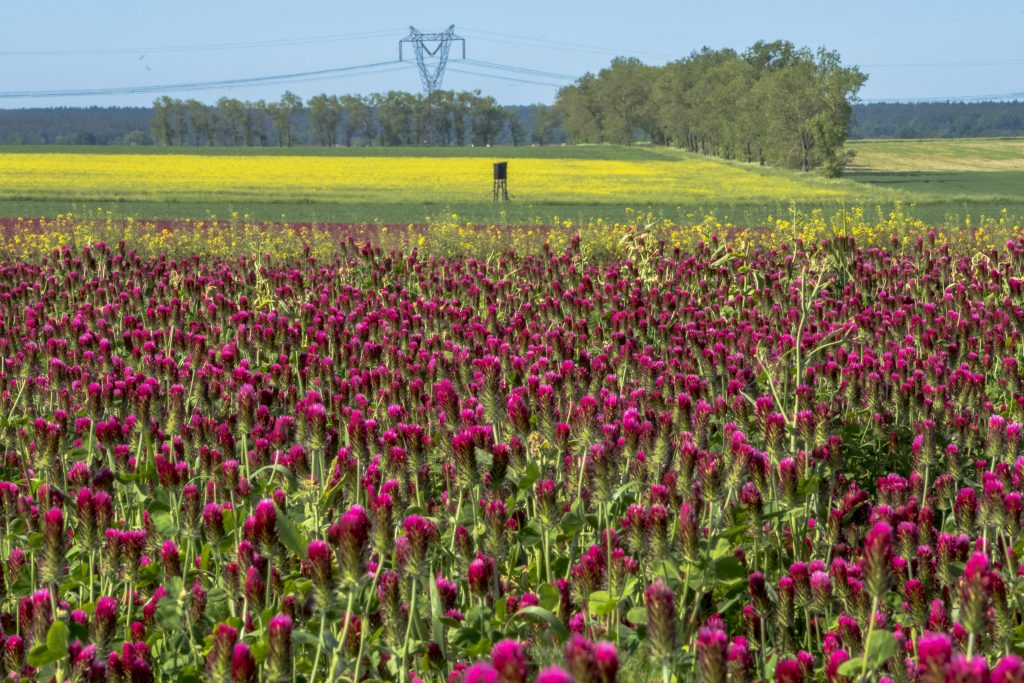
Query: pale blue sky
x=935, y=49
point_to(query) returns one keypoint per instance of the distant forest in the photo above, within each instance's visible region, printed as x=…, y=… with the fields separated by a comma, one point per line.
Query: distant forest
x=384, y=119
x=938, y=120
x=134, y=125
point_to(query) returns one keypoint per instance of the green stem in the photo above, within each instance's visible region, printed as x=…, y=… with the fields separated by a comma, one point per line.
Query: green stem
x=319, y=646
x=408, y=631
x=336, y=657
x=867, y=641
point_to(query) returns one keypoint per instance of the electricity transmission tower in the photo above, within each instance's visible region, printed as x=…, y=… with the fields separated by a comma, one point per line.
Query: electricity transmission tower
x=431, y=50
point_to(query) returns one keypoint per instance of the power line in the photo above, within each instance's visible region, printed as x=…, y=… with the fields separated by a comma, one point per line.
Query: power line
x=194, y=48
x=511, y=39
x=340, y=72
x=503, y=78
x=519, y=70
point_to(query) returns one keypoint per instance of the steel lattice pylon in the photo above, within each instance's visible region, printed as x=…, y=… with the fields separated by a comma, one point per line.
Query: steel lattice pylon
x=431, y=51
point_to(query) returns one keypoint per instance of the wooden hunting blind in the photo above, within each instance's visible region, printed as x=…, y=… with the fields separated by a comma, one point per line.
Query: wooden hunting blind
x=501, y=181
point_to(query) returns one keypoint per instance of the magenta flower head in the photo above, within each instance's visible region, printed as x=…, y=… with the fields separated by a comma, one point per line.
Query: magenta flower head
x=389, y=596
x=547, y=500
x=1010, y=668
x=877, y=559
x=712, y=647
x=279, y=651
x=481, y=574
x=975, y=584
x=42, y=616
x=14, y=653
x=243, y=665
x=518, y=414
x=82, y=662
x=835, y=660
x=255, y=588
x=688, y=531
x=971, y=669
x=421, y=533
x=579, y=657
x=265, y=524
x=740, y=661
x=481, y=672
x=213, y=523
x=661, y=625
x=934, y=651
x=606, y=662
x=554, y=674
x=351, y=535
x=54, y=562
x=104, y=622
x=509, y=659
x=322, y=572
x=171, y=559
x=789, y=671
x=190, y=510
x=218, y=662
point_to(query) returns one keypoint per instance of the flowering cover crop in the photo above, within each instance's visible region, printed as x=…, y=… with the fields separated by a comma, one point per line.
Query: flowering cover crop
x=797, y=463
x=100, y=177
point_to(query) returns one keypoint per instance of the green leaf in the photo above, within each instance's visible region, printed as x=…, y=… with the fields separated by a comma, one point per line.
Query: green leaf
x=291, y=536
x=601, y=603
x=529, y=477
x=529, y=535
x=40, y=656
x=57, y=639
x=570, y=524
x=851, y=667
x=727, y=568
x=164, y=525
x=538, y=615
x=167, y=617
x=276, y=469
x=436, y=614
x=880, y=647
x=549, y=596
x=637, y=615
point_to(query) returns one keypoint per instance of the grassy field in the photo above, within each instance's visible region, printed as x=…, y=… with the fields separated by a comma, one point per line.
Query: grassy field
x=941, y=180
x=965, y=175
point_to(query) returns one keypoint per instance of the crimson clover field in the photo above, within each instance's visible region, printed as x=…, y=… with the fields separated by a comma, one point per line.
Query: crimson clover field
x=237, y=451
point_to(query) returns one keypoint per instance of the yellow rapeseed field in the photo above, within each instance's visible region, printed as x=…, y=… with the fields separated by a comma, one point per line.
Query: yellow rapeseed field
x=127, y=177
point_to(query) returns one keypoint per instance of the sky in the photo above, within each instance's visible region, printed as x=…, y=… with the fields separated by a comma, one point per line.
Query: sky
x=519, y=52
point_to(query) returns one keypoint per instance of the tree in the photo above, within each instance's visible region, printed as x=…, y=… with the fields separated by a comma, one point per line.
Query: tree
x=163, y=134
x=235, y=125
x=488, y=120
x=201, y=121
x=545, y=124
x=283, y=114
x=395, y=113
x=261, y=121
x=462, y=103
x=580, y=110
x=357, y=117
x=177, y=113
x=324, y=117
x=515, y=129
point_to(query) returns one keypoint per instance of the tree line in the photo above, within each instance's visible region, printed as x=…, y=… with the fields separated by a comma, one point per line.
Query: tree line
x=773, y=103
x=393, y=118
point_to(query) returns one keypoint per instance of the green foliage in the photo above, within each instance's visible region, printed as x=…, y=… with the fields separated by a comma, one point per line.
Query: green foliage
x=774, y=104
